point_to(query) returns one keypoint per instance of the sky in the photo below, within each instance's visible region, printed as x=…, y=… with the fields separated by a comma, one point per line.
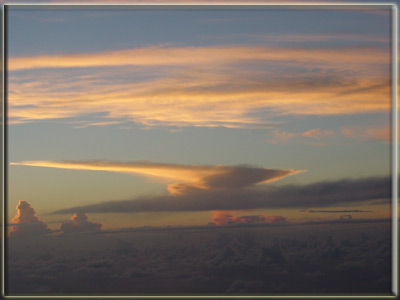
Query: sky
x=189, y=116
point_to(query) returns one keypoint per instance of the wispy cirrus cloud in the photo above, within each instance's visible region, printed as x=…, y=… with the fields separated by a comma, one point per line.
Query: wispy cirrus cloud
x=105, y=123
x=381, y=133
x=189, y=177
x=283, y=136
x=200, y=86
x=184, y=56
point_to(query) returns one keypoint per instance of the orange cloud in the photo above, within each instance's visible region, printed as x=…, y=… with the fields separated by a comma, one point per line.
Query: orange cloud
x=26, y=223
x=167, y=56
x=98, y=124
x=282, y=136
x=200, y=86
x=222, y=217
x=200, y=101
x=189, y=177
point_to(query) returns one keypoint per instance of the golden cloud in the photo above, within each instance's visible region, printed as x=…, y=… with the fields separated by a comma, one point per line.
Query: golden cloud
x=201, y=86
x=167, y=56
x=189, y=177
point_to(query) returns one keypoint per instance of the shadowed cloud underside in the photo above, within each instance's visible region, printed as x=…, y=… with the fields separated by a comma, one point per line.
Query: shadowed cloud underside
x=374, y=190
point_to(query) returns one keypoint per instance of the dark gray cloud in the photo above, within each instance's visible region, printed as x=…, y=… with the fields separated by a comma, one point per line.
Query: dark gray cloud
x=320, y=194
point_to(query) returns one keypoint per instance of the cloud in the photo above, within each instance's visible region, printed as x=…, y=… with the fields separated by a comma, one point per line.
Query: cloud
x=191, y=177
x=216, y=86
x=222, y=217
x=167, y=56
x=79, y=223
x=214, y=265
x=282, y=136
x=226, y=217
x=26, y=223
x=380, y=133
x=316, y=133
x=98, y=124
x=320, y=194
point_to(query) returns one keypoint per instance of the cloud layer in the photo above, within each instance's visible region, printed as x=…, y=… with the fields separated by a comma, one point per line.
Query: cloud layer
x=256, y=260
x=320, y=194
x=190, y=177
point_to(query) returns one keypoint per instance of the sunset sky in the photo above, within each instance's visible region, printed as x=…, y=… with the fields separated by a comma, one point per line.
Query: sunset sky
x=155, y=116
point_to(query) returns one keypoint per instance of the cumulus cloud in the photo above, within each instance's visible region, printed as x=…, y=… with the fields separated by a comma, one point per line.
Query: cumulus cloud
x=26, y=223
x=226, y=217
x=79, y=223
x=191, y=177
x=320, y=194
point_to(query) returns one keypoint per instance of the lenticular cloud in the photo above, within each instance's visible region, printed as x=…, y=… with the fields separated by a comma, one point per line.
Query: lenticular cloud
x=26, y=222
